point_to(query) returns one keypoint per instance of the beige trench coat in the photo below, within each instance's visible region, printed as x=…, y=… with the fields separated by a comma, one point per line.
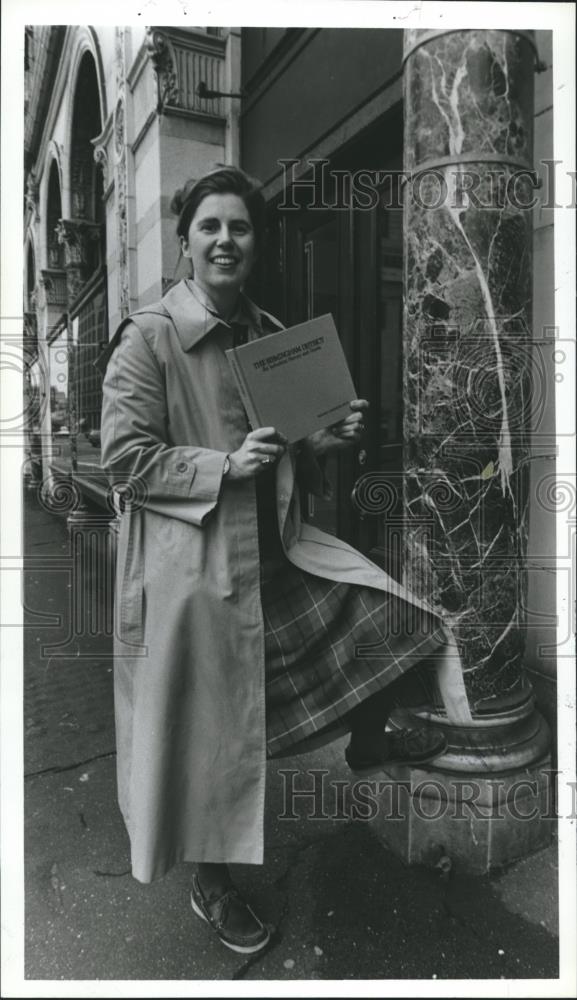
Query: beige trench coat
x=189, y=644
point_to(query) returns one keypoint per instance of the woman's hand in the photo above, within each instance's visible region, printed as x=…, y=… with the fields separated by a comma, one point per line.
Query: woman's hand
x=344, y=434
x=259, y=449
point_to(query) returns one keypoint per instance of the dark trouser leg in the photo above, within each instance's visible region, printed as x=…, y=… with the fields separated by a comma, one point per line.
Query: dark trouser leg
x=213, y=878
x=371, y=747
x=368, y=719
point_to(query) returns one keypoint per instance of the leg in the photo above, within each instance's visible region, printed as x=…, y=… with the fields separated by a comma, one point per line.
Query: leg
x=213, y=878
x=371, y=748
x=368, y=721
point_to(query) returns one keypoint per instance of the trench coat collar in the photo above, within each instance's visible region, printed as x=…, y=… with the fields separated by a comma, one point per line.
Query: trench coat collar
x=194, y=315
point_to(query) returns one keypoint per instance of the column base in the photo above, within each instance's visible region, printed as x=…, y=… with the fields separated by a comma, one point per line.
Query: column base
x=485, y=803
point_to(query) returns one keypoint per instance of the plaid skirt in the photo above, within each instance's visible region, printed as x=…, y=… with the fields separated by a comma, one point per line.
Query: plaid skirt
x=329, y=645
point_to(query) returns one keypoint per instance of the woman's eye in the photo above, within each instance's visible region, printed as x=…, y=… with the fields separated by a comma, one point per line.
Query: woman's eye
x=235, y=228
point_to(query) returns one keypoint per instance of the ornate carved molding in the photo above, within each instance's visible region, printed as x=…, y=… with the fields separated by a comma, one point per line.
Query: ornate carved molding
x=162, y=57
x=103, y=155
x=32, y=195
x=121, y=176
x=119, y=128
x=119, y=56
x=76, y=235
x=122, y=236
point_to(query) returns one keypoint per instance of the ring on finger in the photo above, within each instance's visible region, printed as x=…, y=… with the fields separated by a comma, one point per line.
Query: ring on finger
x=265, y=461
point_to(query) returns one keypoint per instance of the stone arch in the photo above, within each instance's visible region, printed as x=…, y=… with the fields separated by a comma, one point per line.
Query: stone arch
x=84, y=40
x=84, y=231
x=83, y=235
x=85, y=125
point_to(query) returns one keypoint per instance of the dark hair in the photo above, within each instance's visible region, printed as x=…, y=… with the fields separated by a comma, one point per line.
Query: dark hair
x=223, y=180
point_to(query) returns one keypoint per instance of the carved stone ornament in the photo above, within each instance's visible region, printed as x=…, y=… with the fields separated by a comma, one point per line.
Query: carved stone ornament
x=162, y=58
x=68, y=233
x=122, y=238
x=76, y=235
x=101, y=160
x=32, y=195
x=119, y=57
x=119, y=128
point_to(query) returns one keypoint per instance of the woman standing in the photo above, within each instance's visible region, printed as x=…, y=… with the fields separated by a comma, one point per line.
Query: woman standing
x=237, y=624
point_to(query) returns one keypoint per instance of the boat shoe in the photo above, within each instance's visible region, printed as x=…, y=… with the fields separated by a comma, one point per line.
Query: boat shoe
x=216, y=910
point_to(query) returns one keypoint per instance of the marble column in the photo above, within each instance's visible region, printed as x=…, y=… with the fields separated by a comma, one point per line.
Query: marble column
x=468, y=238
x=468, y=193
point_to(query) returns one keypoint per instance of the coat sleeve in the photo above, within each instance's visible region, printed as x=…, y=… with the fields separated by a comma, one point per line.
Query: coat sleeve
x=182, y=482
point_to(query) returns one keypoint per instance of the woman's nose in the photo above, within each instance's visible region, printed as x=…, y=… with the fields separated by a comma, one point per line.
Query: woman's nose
x=224, y=235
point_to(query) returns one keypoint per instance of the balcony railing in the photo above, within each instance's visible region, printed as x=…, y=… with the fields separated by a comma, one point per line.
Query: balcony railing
x=181, y=61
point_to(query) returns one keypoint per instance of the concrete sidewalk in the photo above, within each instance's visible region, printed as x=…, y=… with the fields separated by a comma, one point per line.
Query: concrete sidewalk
x=343, y=906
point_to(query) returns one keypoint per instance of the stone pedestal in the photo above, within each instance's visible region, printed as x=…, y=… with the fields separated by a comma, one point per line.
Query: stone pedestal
x=469, y=824
x=487, y=801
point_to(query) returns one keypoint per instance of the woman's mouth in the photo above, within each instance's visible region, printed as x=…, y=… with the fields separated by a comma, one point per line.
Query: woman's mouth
x=224, y=261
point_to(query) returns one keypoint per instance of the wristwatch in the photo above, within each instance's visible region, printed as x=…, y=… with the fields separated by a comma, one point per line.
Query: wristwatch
x=226, y=467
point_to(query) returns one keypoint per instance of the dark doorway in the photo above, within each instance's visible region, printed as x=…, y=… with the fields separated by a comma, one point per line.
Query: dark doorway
x=339, y=250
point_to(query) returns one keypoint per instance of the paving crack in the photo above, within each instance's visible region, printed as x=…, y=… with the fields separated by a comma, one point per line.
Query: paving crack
x=254, y=960
x=69, y=767
x=280, y=883
x=56, y=886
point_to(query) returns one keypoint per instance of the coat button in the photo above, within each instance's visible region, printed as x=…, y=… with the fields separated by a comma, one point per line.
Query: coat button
x=182, y=467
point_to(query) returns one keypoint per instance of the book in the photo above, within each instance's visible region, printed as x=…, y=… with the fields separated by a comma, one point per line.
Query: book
x=296, y=380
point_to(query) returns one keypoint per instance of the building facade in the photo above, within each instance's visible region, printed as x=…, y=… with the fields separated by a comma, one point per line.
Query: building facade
x=445, y=307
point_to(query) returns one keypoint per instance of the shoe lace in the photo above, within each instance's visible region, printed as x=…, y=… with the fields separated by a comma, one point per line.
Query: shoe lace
x=218, y=908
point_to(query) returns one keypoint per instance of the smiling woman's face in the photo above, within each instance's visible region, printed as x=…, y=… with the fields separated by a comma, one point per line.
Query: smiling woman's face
x=220, y=243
